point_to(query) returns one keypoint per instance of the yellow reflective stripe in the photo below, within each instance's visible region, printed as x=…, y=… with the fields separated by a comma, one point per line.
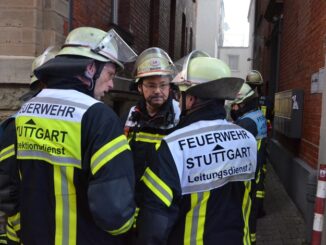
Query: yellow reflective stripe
x=202, y=218
x=157, y=145
x=58, y=205
x=108, y=152
x=11, y=234
x=258, y=177
x=14, y=221
x=264, y=168
x=124, y=228
x=260, y=194
x=189, y=218
x=195, y=219
x=253, y=237
x=7, y=152
x=136, y=216
x=258, y=144
x=246, y=207
x=157, y=186
x=72, y=207
x=66, y=206
x=263, y=109
x=149, y=138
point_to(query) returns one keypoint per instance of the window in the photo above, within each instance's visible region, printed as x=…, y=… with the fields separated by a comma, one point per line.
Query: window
x=234, y=62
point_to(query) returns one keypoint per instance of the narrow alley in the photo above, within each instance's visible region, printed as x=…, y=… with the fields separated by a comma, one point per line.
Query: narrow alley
x=283, y=224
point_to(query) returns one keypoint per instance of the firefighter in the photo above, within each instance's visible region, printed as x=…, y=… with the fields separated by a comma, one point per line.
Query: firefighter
x=255, y=80
x=75, y=165
x=154, y=115
x=13, y=220
x=196, y=188
x=157, y=112
x=246, y=113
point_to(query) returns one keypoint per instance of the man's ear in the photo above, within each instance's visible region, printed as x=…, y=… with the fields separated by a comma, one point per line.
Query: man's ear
x=190, y=101
x=90, y=70
x=140, y=88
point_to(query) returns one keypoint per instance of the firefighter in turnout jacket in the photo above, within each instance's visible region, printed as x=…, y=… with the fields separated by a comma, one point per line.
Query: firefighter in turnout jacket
x=246, y=113
x=255, y=80
x=75, y=178
x=156, y=113
x=196, y=188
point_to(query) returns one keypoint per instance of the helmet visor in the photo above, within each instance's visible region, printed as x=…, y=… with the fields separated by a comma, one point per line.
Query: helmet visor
x=153, y=61
x=181, y=79
x=113, y=47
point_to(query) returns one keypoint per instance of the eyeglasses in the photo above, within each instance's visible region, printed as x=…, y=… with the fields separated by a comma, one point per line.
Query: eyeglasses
x=153, y=86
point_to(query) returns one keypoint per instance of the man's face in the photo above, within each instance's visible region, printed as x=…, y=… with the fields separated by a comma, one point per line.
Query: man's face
x=155, y=90
x=105, y=82
x=235, y=107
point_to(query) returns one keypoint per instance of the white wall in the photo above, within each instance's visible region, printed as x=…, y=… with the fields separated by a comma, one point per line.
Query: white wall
x=208, y=25
x=251, y=20
x=243, y=66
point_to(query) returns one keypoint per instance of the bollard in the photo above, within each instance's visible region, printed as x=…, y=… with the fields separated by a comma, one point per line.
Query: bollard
x=319, y=207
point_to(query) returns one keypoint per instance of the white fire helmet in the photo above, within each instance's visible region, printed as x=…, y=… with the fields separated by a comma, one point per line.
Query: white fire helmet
x=206, y=77
x=153, y=62
x=254, y=78
x=98, y=45
x=245, y=93
x=48, y=54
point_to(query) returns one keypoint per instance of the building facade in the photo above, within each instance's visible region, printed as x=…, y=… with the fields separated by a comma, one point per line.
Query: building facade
x=209, y=26
x=29, y=27
x=289, y=49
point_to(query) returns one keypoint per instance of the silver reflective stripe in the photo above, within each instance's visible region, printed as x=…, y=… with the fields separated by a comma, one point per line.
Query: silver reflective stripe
x=195, y=217
x=200, y=131
x=7, y=151
x=52, y=159
x=65, y=206
x=158, y=187
x=51, y=100
x=216, y=183
x=108, y=152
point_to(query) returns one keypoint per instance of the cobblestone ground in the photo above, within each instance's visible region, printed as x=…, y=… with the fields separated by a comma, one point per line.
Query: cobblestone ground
x=283, y=224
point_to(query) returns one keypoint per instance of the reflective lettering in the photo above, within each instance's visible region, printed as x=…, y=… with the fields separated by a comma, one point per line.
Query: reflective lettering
x=216, y=157
x=41, y=133
x=48, y=109
x=212, y=138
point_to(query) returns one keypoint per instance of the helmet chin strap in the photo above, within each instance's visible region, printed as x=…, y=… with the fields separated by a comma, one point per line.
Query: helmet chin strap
x=183, y=103
x=89, y=75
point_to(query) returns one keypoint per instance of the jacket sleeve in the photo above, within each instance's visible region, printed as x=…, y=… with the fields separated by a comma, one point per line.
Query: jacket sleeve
x=249, y=125
x=9, y=174
x=111, y=179
x=162, y=193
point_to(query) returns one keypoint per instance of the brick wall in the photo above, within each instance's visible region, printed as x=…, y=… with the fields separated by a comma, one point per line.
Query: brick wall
x=30, y=26
x=302, y=54
x=134, y=17
x=303, y=42
x=95, y=13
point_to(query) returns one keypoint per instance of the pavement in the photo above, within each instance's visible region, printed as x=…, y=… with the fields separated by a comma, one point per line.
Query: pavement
x=283, y=223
